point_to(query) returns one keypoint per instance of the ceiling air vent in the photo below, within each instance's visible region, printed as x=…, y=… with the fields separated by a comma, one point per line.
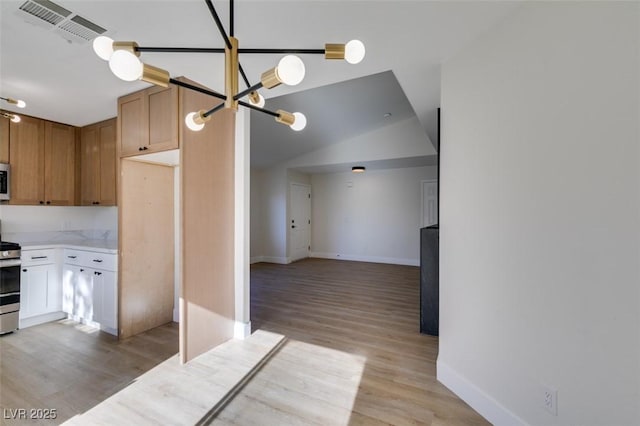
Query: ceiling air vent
x=67, y=24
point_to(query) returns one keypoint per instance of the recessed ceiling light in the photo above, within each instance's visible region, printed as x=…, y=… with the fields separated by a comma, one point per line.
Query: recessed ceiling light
x=358, y=169
x=387, y=114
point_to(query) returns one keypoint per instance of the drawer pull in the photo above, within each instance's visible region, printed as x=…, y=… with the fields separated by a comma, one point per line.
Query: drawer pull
x=97, y=260
x=72, y=257
x=38, y=257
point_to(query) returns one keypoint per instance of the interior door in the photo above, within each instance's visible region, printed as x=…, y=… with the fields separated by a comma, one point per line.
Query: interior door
x=429, y=202
x=300, y=221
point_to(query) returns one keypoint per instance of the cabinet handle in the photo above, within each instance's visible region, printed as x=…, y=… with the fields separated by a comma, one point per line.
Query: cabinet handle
x=38, y=257
x=98, y=273
x=41, y=202
x=72, y=257
x=48, y=202
x=24, y=270
x=97, y=202
x=144, y=148
x=139, y=148
x=97, y=260
x=81, y=270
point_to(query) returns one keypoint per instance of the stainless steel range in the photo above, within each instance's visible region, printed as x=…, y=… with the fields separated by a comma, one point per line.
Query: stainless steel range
x=9, y=286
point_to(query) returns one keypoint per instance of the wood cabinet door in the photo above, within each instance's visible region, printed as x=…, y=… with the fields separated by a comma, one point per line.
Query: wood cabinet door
x=4, y=140
x=163, y=118
x=89, y=166
x=133, y=123
x=59, y=164
x=26, y=150
x=107, y=142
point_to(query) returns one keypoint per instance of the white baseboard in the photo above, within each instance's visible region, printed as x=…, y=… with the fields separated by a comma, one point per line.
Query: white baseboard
x=41, y=319
x=372, y=259
x=241, y=330
x=256, y=259
x=484, y=404
x=176, y=315
x=269, y=259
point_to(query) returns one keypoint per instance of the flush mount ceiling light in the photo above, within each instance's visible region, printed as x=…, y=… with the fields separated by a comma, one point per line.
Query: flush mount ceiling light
x=124, y=62
x=358, y=169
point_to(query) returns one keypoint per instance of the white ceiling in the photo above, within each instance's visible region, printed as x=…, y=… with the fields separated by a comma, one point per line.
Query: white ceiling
x=68, y=83
x=335, y=113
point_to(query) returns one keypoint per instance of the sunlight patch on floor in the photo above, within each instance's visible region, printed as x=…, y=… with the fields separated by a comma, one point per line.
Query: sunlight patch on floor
x=302, y=382
x=85, y=328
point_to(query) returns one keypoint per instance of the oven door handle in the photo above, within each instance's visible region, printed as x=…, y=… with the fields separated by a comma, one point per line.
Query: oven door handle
x=10, y=262
x=17, y=293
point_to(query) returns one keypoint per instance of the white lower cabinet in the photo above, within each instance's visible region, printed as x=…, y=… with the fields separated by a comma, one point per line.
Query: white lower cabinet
x=40, y=288
x=40, y=292
x=90, y=294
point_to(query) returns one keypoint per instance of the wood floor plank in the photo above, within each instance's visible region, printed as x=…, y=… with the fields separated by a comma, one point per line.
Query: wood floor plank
x=182, y=394
x=72, y=367
x=337, y=314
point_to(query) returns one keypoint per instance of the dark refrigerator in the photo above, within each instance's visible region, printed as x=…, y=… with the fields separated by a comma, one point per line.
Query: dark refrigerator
x=429, y=282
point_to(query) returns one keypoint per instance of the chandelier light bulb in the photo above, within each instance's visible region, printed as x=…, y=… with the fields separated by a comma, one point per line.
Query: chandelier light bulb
x=125, y=65
x=260, y=102
x=15, y=118
x=103, y=46
x=300, y=121
x=354, y=52
x=21, y=104
x=190, y=121
x=291, y=70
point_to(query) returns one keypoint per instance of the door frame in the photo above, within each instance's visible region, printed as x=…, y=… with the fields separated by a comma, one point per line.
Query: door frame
x=291, y=258
x=422, y=184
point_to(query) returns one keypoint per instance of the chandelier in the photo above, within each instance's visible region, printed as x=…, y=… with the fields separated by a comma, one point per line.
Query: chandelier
x=13, y=117
x=124, y=62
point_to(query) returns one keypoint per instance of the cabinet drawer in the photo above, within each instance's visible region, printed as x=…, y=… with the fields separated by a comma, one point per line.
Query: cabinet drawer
x=104, y=261
x=38, y=257
x=74, y=257
x=91, y=259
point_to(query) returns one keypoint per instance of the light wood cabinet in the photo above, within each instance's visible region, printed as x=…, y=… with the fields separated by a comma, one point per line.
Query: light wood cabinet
x=98, y=164
x=59, y=164
x=4, y=140
x=148, y=121
x=26, y=151
x=42, y=157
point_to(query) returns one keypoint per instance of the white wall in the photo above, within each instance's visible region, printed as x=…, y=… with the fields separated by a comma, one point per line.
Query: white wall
x=372, y=216
x=257, y=216
x=269, y=230
x=270, y=217
x=47, y=219
x=540, y=216
x=400, y=140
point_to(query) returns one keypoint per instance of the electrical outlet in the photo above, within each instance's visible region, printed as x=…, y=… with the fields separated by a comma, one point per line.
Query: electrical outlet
x=550, y=400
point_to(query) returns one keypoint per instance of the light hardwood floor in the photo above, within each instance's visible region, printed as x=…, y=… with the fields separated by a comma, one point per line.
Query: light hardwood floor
x=354, y=354
x=71, y=367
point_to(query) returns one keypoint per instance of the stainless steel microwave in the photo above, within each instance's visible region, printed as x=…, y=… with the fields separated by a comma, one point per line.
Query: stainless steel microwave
x=5, y=181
